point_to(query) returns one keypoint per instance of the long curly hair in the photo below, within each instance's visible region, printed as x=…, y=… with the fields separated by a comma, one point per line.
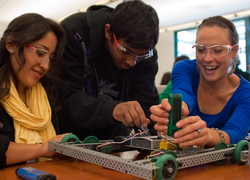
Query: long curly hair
x=21, y=31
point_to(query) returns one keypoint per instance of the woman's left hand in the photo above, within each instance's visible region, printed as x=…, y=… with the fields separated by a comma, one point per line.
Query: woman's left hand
x=45, y=149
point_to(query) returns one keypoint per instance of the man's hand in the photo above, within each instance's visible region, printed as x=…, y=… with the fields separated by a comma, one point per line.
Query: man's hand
x=130, y=114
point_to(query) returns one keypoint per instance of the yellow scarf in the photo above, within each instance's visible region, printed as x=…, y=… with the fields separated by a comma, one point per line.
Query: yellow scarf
x=33, y=123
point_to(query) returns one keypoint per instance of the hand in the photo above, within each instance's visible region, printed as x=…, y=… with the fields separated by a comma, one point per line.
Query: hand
x=130, y=114
x=160, y=114
x=193, y=131
x=188, y=135
x=47, y=152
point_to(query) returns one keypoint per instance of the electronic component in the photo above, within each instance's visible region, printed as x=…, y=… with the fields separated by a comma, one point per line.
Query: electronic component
x=167, y=145
x=175, y=114
x=147, y=142
x=145, y=130
x=30, y=173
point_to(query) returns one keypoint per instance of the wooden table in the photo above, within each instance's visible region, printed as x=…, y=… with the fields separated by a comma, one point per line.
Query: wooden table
x=66, y=168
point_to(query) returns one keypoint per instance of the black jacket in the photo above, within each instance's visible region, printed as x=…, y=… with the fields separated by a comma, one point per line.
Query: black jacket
x=245, y=74
x=89, y=67
x=6, y=135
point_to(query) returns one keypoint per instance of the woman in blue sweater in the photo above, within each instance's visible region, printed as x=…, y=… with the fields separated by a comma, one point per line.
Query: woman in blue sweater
x=216, y=102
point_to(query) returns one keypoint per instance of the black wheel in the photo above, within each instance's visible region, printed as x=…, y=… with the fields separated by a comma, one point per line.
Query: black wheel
x=70, y=138
x=167, y=167
x=221, y=145
x=240, y=146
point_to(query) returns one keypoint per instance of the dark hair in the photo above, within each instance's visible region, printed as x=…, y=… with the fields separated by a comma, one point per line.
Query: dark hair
x=222, y=22
x=136, y=23
x=21, y=31
x=179, y=58
x=167, y=75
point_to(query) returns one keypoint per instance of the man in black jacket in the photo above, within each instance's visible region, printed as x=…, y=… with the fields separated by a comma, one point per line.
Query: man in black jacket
x=110, y=56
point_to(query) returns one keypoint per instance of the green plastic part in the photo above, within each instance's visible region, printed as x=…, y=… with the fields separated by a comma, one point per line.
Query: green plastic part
x=241, y=145
x=90, y=139
x=167, y=167
x=175, y=114
x=171, y=153
x=70, y=138
x=221, y=145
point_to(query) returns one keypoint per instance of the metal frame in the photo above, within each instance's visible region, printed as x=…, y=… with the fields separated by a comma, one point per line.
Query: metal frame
x=141, y=168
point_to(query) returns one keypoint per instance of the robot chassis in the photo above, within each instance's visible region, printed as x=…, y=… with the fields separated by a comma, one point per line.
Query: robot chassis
x=161, y=166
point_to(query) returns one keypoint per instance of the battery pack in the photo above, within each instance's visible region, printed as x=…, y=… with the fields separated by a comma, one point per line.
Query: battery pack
x=30, y=173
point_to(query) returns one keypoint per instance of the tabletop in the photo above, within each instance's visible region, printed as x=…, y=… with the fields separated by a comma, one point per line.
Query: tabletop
x=66, y=168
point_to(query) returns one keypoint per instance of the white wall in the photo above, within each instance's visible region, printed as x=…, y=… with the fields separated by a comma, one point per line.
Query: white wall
x=165, y=48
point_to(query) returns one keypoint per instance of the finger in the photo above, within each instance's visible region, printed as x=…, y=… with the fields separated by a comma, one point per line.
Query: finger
x=186, y=121
x=201, y=141
x=140, y=117
x=185, y=112
x=197, y=137
x=186, y=131
x=134, y=114
x=166, y=104
x=161, y=120
x=160, y=127
x=187, y=137
x=159, y=110
x=133, y=120
x=121, y=113
x=195, y=121
x=127, y=120
x=145, y=124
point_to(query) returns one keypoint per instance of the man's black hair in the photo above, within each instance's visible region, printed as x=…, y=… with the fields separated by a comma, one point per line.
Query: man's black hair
x=136, y=23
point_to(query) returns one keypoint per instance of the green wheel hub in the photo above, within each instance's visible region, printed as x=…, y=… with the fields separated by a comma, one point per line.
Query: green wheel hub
x=240, y=146
x=221, y=145
x=167, y=167
x=70, y=138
